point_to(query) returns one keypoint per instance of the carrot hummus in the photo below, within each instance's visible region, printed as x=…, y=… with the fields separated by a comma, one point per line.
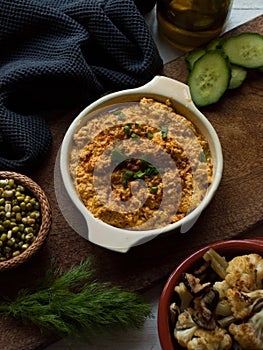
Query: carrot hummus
x=140, y=165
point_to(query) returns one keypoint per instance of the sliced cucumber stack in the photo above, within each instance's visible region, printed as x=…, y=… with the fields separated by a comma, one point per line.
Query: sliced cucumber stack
x=222, y=65
x=209, y=78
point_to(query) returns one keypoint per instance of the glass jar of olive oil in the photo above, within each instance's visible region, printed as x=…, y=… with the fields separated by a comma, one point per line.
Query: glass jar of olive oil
x=187, y=24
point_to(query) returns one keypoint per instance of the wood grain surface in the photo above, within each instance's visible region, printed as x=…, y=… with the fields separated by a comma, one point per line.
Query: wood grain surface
x=235, y=211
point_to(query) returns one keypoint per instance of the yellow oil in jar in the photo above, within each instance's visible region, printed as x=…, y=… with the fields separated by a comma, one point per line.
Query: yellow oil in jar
x=187, y=24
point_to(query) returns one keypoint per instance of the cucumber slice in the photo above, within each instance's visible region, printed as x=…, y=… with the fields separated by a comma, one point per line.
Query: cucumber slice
x=238, y=75
x=209, y=78
x=245, y=49
x=193, y=56
x=214, y=44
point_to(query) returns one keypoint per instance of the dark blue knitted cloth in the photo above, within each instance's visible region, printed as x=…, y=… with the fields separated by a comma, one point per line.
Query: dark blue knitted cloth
x=60, y=53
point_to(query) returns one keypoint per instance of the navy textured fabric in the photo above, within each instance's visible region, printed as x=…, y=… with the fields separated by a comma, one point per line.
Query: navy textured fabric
x=60, y=53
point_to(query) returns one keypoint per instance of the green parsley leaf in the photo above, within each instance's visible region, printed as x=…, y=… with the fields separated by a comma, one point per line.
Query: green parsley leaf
x=127, y=129
x=121, y=115
x=139, y=174
x=164, y=130
x=128, y=174
x=135, y=136
x=149, y=136
x=203, y=156
x=154, y=189
x=125, y=183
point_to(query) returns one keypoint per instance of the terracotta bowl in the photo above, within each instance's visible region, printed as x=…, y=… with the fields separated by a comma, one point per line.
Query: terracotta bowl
x=160, y=88
x=227, y=248
x=45, y=210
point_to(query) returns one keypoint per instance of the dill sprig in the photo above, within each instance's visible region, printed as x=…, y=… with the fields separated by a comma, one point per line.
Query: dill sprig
x=70, y=303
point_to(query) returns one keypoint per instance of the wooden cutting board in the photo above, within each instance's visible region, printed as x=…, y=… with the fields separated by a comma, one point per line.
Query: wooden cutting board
x=235, y=211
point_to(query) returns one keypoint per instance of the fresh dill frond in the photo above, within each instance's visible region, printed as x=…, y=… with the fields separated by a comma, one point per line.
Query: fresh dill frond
x=73, y=304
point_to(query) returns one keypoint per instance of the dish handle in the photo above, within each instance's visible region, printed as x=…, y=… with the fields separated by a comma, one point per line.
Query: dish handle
x=112, y=238
x=170, y=88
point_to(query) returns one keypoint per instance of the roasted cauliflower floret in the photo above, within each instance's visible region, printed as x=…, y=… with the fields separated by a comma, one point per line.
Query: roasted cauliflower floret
x=245, y=272
x=223, y=308
x=242, y=304
x=243, y=277
x=221, y=287
x=218, y=339
x=259, y=278
x=184, y=295
x=184, y=328
x=249, y=334
x=192, y=337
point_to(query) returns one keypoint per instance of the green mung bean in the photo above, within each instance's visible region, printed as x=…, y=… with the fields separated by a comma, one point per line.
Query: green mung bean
x=20, y=218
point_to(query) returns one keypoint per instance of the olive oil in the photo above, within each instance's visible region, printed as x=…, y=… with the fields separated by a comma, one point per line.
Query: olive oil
x=187, y=24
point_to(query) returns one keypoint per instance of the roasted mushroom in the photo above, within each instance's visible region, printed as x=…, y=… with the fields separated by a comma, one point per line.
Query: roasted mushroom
x=204, y=306
x=194, y=285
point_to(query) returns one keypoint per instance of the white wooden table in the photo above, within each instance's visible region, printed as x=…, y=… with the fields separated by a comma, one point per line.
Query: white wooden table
x=147, y=337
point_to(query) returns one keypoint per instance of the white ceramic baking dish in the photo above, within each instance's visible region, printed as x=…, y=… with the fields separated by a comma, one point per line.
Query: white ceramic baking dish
x=160, y=88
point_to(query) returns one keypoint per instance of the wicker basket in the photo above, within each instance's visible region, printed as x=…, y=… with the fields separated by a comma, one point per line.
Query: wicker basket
x=46, y=219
